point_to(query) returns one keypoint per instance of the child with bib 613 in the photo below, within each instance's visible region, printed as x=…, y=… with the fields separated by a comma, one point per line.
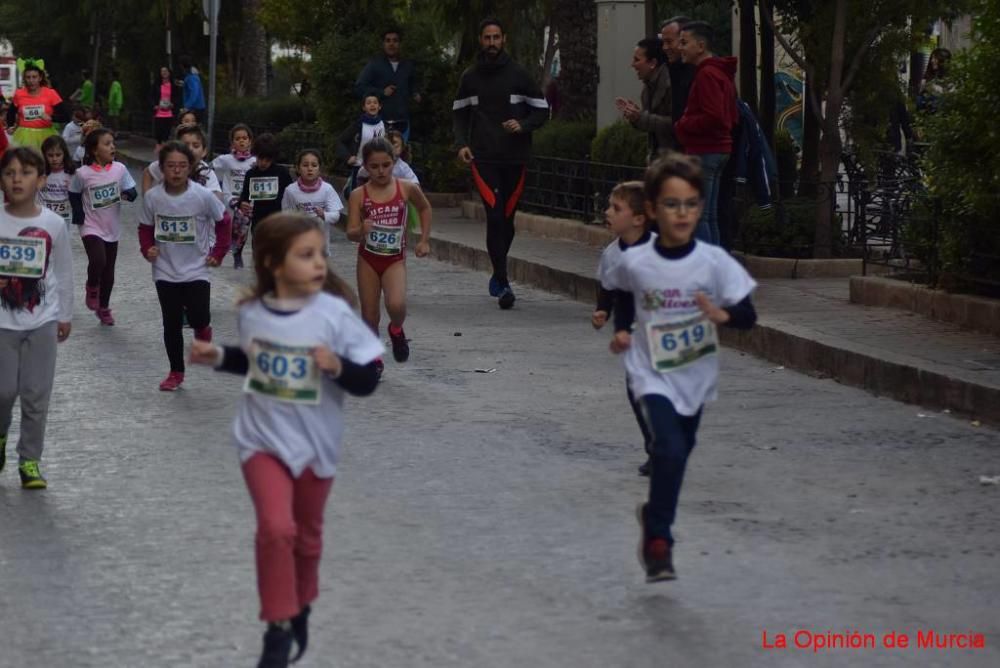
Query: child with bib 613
x=682, y=289
x=302, y=349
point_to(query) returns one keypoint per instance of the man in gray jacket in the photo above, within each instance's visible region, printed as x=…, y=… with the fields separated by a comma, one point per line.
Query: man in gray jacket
x=655, y=116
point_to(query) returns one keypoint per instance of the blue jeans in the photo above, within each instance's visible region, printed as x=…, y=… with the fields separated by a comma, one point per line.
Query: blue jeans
x=712, y=165
x=673, y=439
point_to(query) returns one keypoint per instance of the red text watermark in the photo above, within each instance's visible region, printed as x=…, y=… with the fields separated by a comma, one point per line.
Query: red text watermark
x=824, y=641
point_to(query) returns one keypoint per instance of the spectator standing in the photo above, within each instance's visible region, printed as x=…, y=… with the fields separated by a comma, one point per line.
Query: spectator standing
x=84, y=95
x=166, y=97
x=194, y=95
x=706, y=127
x=681, y=73
x=655, y=114
x=393, y=79
x=116, y=100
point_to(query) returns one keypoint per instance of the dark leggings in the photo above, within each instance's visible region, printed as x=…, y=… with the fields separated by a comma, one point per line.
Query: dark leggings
x=647, y=437
x=500, y=186
x=175, y=299
x=101, y=256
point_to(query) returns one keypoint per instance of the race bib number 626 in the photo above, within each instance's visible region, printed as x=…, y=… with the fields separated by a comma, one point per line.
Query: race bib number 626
x=285, y=373
x=22, y=256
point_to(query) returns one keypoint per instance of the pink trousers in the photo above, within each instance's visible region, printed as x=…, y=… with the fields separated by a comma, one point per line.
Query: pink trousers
x=289, y=538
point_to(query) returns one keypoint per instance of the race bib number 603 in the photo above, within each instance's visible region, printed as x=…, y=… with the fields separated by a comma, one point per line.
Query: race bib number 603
x=285, y=373
x=675, y=344
x=22, y=256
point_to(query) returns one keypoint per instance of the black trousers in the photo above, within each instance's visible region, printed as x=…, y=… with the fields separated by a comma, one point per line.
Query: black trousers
x=500, y=187
x=175, y=299
x=101, y=258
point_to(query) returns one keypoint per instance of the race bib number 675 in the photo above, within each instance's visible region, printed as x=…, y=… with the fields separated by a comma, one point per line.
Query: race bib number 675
x=285, y=373
x=22, y=256
x=675, y=344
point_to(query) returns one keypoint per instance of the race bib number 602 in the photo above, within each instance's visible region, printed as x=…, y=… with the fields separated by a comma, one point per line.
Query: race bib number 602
x=22, y=256
x=104, y=195
x=285, y=373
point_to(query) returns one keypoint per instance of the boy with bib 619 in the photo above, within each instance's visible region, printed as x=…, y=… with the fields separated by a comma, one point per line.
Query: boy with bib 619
x=682, y=290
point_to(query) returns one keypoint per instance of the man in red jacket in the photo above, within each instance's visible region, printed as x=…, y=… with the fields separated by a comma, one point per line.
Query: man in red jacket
x=706, y=127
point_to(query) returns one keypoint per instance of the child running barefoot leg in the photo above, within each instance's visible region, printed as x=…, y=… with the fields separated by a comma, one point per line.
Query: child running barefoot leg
x=682, y=289
x=302, y=348
x=95, y=193
x=36, y=307
x=179, y=219
x=377, y=219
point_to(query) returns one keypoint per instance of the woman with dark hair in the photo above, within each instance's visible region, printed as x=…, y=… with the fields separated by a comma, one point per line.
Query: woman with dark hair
x=165, y=97
x=35, y=107
x=934, y=84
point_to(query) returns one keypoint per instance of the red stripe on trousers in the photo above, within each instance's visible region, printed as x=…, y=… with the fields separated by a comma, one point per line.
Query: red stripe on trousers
x=484, y=188
x=515, y=198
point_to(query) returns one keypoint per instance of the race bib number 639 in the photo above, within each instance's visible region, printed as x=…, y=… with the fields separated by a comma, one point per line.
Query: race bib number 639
x=22, y=256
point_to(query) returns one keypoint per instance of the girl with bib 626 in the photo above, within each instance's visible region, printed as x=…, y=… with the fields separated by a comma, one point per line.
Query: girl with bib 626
x=302, y=348
x=378, y=221
x=179, y=220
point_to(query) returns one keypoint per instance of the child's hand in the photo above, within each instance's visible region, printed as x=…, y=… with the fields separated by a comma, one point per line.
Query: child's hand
x=246, y=208
x=352, y=161
x=152, y=254
x=212, y=261
x=327, y=360
x=423, y=249
x=62, y=331
x=712, y=312
x=204, y=352
x=621, y=342
x=598, y=319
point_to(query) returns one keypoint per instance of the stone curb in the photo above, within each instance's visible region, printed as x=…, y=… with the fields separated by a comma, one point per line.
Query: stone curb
x=976, y=313
x=776, y=342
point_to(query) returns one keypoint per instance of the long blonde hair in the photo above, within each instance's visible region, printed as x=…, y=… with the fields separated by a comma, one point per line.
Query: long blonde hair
x=272, y=238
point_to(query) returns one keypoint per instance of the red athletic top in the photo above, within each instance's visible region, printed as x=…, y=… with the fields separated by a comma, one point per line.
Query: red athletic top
x=31, y=107
x=388, y=235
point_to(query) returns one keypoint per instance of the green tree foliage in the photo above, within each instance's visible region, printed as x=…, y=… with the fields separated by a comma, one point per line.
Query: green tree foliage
x=963, y=159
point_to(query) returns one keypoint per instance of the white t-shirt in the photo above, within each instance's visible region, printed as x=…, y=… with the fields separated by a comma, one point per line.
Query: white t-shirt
x=231, y=172
x=401, y=170
x=612, y=255
x=101, y=189
x=36, y=253
x=324, y=199
x=369, y=132
x=305, y=432
x=55, y=195
x=184, y=229
x=73, y=135
x=212, y=181
x=685, y=343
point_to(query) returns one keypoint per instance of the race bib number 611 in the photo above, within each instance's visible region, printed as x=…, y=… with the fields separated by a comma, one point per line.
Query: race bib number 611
x=263, y=188
x=285, y=373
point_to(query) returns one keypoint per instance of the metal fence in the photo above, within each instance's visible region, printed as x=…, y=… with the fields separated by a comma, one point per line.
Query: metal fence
x=576, y=189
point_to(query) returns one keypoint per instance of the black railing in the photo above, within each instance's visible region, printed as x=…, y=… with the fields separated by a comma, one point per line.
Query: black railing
x=576, y=189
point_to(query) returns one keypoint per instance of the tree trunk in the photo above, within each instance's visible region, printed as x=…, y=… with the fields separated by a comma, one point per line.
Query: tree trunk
x=767, y=92
x=809, y=170
x=576, y=24
x=254, y=53
x=748, y=54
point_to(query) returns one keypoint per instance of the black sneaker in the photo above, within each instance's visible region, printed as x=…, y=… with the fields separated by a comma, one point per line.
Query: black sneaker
x=277, y=646
x=3, y=451
x=379, y=369
x=646, y=468
x=400, y=348
x=237, y=261
x=300, y=632
x=655, y=554
x=506, y=299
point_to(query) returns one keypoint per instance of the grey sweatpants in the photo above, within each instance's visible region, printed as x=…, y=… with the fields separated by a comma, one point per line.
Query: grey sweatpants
x=27, y=369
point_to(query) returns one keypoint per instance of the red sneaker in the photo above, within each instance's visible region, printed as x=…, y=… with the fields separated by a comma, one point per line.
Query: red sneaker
x=92, y=297
x=172, y=382
x=104, y=315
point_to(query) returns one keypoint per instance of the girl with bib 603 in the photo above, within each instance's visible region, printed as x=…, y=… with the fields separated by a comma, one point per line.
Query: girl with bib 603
x=96, y=193
x=377, y=220
x=302, y=348
x=682, y=289
x=179, y=220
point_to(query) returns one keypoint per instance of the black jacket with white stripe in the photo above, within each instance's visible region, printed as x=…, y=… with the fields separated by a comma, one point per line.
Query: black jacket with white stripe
x=489, y=94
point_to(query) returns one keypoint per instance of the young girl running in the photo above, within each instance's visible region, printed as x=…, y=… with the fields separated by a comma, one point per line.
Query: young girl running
x=626, y=214
x=36, y=307
x=377, y=220
x=95, y=193
x=682, y=290
x=59, y=170
x=311, y=195
x=203, y=174
x=177, y=225
x=301, y=348
x=231, y=169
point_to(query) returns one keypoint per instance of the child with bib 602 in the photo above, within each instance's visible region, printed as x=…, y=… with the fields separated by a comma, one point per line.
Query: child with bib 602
x=302, y=348
x=682, y=289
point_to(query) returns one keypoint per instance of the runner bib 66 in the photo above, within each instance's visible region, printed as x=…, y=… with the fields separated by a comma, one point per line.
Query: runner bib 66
x=677, y=343
x=22, y=256
x=34, y=112
x=285, y=373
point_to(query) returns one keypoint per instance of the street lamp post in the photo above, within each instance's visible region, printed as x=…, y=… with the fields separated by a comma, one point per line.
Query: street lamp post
x=213, y=22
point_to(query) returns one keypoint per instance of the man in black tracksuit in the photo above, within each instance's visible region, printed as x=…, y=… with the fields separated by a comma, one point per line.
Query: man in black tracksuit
x=497, y=108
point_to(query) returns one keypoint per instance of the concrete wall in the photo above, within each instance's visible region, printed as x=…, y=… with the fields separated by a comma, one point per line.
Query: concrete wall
x=620, y=24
